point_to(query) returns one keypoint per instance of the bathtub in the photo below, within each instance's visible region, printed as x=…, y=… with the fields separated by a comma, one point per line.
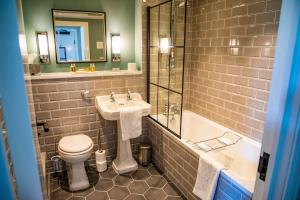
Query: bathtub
x=240, y=160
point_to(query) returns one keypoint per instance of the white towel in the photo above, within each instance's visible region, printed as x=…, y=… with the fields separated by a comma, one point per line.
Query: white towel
x=131, y=122
x=207, y=177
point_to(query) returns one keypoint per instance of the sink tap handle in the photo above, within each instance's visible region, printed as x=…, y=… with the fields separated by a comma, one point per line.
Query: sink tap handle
x=129, y=95
x=112, y=96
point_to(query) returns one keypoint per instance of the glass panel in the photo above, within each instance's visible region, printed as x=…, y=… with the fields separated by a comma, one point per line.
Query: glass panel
x=162, y=106
x=167, y=63
x=163, y=70
x=178, y=23
x=176, y=69
x=165, y=20
x=154, y=13
x=174, y=112
x=153, y=100
x=164, y=33
x=154, y=65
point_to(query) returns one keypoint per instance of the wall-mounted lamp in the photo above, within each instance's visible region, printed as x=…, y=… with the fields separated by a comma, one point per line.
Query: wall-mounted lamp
x=43, y=47
x=164, y=45
x=115, y=47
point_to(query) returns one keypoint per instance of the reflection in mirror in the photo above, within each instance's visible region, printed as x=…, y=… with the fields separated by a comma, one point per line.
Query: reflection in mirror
x=80, y=36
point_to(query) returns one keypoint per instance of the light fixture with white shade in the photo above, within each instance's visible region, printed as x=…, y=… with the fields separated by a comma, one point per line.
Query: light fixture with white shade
x=115, y=47
x=43, y=47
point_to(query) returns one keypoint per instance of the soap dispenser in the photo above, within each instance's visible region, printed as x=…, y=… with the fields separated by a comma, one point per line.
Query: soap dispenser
x=73, y=68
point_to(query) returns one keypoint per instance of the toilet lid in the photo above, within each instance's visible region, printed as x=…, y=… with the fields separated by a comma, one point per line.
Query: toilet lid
x=75, y=143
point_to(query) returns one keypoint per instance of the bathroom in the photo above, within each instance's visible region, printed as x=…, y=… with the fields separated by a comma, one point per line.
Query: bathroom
x=149, y=99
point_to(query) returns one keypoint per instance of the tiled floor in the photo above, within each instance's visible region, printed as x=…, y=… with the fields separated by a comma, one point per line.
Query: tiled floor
x=145, y=183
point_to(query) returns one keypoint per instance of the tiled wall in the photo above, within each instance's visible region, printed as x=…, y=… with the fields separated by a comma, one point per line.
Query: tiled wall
x=40, y=159
x=231, y=47
x=60, y=103
x=173, y=158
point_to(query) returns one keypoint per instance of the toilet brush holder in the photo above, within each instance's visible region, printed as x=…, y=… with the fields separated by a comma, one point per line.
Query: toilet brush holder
x=101, y=160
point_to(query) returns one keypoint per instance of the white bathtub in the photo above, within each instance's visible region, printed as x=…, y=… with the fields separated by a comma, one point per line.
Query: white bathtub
x=240, y=160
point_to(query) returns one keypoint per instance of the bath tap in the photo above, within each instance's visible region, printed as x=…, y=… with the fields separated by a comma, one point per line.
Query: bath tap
x=172, y=109
x=129, y=98
x=112, y=97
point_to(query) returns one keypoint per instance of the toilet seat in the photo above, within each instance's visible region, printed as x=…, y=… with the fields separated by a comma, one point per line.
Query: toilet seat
x=75, y=144
x=74, y=154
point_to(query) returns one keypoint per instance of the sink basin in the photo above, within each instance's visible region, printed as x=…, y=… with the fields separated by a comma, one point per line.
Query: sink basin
x=111, y=110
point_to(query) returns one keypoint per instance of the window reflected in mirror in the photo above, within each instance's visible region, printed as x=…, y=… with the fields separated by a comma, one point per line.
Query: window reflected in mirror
x=80, y=36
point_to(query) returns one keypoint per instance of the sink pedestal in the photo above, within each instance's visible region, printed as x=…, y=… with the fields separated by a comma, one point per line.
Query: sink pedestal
x=124, y=162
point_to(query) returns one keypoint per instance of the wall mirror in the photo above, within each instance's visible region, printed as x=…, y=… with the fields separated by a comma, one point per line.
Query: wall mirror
x=80, y=36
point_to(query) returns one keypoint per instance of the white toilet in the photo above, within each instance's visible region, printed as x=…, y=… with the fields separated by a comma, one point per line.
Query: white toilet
x=76, y=149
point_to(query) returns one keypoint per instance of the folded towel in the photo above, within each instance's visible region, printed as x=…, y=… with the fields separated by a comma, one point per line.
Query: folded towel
x=207, y=177
x=131, y=122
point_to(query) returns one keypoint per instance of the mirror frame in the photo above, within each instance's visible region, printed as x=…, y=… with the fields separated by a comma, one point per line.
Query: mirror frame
x=105, y=38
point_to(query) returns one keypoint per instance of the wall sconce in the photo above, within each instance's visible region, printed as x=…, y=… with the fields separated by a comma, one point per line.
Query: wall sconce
x=43, y=47
x=115, y=47
x=164, y=45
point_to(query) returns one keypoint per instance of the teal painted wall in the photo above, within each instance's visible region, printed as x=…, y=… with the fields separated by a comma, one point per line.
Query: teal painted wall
x=120, y=18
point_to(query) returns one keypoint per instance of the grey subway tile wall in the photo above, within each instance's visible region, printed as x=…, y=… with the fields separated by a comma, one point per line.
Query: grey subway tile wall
x=60, y=103
x=230, y=53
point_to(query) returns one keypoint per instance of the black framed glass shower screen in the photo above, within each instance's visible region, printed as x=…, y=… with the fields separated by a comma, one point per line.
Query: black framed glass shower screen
x=165, y=63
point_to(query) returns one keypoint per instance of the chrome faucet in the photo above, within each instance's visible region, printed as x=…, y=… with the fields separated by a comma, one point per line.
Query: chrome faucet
x=129, y=98
x=112, y=97
x=172, y=109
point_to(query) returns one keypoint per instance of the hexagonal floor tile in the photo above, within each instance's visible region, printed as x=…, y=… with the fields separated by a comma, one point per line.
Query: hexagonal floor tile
x=83, y=193
x=123, y=180
x=156, y=181
x=138, y=187
x=153, y=171
x=104, y=184
x=77, y=198
x=173, y=198
x=140, y=174
x=155, y=194
x=118, y=192
x=135, y=197
x=171, y=190
x=96, y=195
x=61, y=194
x=109, y=173
x=144, y=167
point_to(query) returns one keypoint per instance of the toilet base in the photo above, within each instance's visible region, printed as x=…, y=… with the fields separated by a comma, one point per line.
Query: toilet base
x=128, y=167
x=77, y=176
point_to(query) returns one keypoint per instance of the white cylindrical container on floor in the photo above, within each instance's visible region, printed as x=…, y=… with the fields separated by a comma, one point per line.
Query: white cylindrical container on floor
x=101, y=160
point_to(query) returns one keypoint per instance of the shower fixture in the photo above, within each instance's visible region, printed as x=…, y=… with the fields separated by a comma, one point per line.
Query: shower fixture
x=172, y=59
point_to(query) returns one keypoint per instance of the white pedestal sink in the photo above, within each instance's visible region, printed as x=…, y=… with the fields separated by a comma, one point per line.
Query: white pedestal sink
x=110, y=111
